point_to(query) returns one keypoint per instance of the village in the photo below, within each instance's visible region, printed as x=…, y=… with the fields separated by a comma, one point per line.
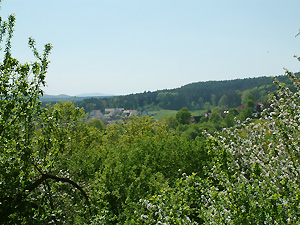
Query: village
x=113, y=115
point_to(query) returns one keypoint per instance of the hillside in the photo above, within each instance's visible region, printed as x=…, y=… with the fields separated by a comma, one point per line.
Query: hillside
x=194, y=96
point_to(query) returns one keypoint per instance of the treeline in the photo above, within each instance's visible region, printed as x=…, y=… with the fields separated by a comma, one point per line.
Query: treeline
x=201, y=95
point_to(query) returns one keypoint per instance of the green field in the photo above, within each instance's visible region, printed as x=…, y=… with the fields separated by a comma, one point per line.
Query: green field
x=198, y=112
x=161, y=114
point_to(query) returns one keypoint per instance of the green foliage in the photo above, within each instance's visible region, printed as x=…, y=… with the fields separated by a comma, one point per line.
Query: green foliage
x=172, y=122
x=201, y=95
x=57, y=168
x=35, y=144
x=19, y=108
x=184, y=202
x=247, y=112
x=139, y=159
x=252, y=175
x=90, y=107
x=223, y=102
x=179, y=205
x=259, y=183
x=96, y=123
x=229, y=120
x=166, y=99
x=213, y=100
x=216, y=110
x=183, y=116
x=66, y=147
x=192, y=132
x=201, y=103
x=216, y=119
x=245, y=96
x=249, y=101
x=234, y=112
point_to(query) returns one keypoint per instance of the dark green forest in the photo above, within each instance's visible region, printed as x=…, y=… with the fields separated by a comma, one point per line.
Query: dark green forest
x=57, y=168
x=202, y=95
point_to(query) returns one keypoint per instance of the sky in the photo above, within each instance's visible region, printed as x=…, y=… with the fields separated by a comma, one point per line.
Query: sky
x=119, y=47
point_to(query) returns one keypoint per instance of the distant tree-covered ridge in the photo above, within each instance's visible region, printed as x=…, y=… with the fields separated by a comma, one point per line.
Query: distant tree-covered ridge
x=200, y=95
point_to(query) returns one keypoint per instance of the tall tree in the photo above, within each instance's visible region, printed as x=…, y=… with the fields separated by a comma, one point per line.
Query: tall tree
x=26, y=194
x=183, y=116
x=223, y=102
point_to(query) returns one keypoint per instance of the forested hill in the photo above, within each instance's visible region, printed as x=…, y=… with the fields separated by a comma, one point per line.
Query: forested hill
x=200, y=95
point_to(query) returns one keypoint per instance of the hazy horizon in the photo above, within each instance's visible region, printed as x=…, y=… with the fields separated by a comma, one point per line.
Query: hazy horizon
x=91, y=94
x=122, y=47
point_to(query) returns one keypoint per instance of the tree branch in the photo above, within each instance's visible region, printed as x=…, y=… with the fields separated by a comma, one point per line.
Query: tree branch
x=57, y=179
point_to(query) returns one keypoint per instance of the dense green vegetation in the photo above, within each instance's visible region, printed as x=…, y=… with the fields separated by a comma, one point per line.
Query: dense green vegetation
x=197, y=96
x=57, y=168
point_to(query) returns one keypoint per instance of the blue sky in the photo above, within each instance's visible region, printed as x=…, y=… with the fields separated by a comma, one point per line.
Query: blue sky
x=132, y=46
